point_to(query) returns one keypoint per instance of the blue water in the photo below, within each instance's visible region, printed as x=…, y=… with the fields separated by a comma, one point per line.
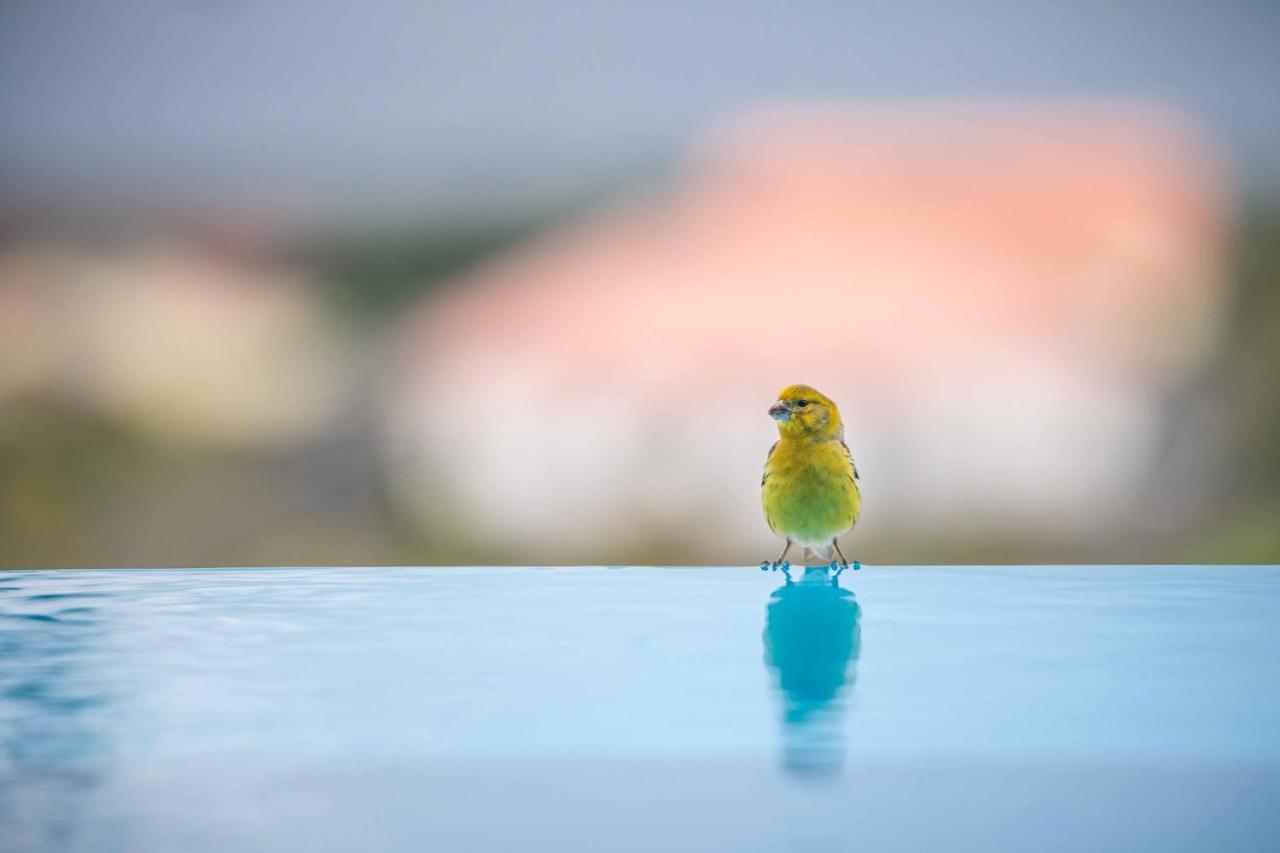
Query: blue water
x=969, y=708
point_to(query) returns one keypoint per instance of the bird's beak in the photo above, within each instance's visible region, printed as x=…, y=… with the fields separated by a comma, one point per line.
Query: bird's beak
x=780, y=411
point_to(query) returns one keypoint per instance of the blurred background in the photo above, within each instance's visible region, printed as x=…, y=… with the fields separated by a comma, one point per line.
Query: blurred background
x=328, y=283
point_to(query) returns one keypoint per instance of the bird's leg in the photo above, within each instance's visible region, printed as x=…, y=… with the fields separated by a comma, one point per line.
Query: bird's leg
x=844, y=564
x=781, y=562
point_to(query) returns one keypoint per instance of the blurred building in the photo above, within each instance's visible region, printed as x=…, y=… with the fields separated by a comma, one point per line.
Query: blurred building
x=1001, y=297
x=165, y=404
x=187, y=347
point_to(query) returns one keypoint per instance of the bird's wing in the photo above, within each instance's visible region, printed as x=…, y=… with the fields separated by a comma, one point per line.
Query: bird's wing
x=765, y=475
x=849, y=453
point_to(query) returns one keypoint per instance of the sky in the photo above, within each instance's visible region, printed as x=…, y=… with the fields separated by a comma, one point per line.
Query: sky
x=337, y=113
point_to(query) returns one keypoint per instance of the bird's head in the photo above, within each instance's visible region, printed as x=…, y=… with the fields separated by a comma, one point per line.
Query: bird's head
x=805, y=412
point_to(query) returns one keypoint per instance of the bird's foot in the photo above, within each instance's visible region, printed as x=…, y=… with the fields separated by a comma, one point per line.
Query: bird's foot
x=833, y=566
x=775, y=566
x=765, y=565
x=856, y=566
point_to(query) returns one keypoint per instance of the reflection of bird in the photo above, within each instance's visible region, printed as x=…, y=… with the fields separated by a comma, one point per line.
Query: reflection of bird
x=810, y=485
x=812, y=640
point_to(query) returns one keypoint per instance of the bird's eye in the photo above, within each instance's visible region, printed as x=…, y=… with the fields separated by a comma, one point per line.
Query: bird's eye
x=800, y=404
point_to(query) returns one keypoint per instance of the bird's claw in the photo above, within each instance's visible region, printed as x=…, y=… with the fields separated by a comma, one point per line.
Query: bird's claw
x=857, y=566
x=765, y=565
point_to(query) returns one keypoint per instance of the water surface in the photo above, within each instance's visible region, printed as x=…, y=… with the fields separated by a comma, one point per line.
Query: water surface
x=898, y=708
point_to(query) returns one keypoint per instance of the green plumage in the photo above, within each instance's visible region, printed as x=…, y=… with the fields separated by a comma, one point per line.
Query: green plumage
x=810, y=492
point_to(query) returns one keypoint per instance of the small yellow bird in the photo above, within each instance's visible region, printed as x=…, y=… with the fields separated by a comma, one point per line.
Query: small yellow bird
x=810, y=486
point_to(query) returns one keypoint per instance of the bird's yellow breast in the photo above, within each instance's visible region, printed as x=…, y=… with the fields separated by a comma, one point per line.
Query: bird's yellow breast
x=810, y=490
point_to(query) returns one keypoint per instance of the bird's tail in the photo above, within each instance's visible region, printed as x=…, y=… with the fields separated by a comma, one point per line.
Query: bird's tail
x=821, y=553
